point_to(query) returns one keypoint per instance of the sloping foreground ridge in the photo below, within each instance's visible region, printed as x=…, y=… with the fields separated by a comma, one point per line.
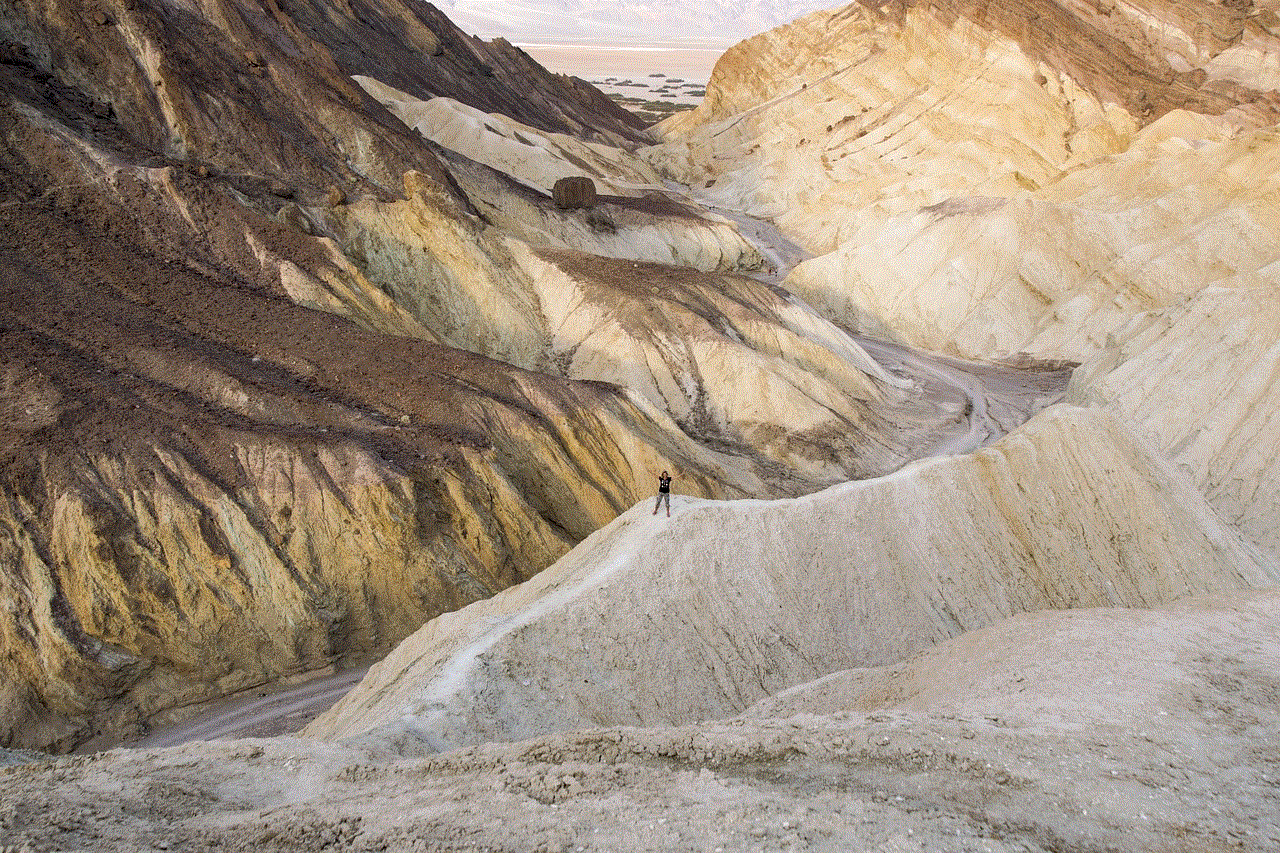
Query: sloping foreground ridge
x=653, y=622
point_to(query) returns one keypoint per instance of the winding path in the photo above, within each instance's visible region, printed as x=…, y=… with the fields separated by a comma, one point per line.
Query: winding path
x=264, y=711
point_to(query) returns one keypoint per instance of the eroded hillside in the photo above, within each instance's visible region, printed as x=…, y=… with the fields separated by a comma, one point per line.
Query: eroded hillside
x=1064, y=180
x=255, y=420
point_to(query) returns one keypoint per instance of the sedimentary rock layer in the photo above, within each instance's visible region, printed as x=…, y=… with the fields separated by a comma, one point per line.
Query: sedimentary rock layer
x=1056, y=271
x=1202, y=381
x=1000, y=178
x=245, y=296
x=206, y=483
x=207, y=486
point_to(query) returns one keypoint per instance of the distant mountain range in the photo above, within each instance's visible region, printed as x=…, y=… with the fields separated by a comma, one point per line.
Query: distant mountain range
x=718, y=22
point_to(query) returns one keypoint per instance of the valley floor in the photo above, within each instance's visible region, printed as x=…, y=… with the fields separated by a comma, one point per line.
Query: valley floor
x=1028, y=740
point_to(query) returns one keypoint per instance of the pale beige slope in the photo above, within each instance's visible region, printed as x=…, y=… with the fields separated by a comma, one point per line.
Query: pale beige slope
x=535, y=157
x=1054, y=272
x=729, y=358
x=989, y=180
x=1064, y=670
x=653, y=621
x=1202, y=381
x=732, y=358
x=1101, y=729
x=854, y=119
x=653, y=227
x=534, y=160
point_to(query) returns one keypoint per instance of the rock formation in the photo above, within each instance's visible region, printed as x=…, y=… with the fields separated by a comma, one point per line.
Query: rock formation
x=996, y=178
x=575, y=192
x=246, y=400
x=1003, y=180
x=192, y=466
x=1200, y=380
x=207, y=483
x=294, y=362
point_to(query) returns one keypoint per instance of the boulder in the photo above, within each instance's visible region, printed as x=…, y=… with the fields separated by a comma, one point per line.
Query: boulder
x=574, y=192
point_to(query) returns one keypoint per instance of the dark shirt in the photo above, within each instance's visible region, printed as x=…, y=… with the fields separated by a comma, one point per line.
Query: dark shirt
x=664, y=483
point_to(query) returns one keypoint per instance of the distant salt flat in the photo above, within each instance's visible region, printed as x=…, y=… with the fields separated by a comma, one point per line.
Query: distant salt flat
x=673, y=75
x=706, y=22
x=590, y=61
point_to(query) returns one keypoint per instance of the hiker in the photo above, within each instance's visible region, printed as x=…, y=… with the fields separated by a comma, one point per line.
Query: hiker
x=664, y=493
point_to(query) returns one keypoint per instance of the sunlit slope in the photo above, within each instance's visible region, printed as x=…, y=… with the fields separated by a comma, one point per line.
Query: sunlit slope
x=990, y=179
x=1202, y=380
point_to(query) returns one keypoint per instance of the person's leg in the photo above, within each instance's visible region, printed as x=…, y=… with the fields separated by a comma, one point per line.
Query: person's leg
x=657, y=503
x=666, y=497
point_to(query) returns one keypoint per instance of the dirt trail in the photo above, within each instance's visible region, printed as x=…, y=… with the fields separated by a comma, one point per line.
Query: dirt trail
x=264, y=711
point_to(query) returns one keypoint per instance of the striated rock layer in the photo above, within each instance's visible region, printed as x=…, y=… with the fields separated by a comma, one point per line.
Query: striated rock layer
x=246, y=401
x=239, y=436
x=994, y=179
x=1077, y=181
x=1202, y=381
x=207, y=486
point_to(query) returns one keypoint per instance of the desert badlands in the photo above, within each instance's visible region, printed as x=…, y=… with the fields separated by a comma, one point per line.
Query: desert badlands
x=958, y=323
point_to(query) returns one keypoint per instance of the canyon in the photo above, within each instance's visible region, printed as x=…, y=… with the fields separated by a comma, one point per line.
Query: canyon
x=954, y=320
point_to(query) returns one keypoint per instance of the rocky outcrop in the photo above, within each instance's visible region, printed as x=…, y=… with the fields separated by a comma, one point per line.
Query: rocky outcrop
x=576, y=192
x=1056, y=271
x=207, y=486
x=742, y=600
x=509, y=172
x=529, y=154
x=289, y=273
x=654, y=227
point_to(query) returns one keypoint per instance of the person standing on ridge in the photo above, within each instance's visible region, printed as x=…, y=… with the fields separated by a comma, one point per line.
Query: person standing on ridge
x=664, y=493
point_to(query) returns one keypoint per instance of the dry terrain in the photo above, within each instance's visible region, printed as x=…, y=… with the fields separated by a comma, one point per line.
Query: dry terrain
x=303, y=365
